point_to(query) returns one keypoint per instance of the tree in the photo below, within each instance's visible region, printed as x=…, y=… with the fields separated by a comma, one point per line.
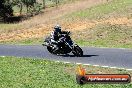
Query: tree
x=29, y=4
x=56, y=2
x=5, y=9
x=44, y=6
x=19, y=4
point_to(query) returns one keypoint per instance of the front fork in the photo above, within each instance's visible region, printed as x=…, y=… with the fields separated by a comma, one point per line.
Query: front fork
x=72, y=47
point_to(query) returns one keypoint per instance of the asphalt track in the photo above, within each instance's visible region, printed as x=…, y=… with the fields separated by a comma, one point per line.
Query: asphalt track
x=121, y=58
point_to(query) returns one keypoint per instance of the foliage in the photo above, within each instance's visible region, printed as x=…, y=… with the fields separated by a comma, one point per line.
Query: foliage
x=5, y=9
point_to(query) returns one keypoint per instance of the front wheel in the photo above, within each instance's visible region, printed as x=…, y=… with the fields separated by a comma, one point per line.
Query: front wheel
x=49, y=48
x=77, y=51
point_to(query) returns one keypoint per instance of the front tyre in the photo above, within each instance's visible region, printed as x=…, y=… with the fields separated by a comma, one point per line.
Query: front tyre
x=49, y=48
x=77, y=51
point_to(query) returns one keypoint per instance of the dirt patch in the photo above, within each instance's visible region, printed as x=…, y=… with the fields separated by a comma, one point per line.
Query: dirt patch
x=24, y=34
x=73, y=27
x=120, y=21
x=80, y=25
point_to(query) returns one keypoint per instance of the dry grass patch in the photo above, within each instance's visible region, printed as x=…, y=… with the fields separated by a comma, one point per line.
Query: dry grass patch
x=74, y=27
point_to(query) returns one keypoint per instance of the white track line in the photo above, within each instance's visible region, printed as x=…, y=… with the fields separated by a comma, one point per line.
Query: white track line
x=111, y=48
x=2, y=56
x=57, y=61
x=67, y=62
x=98, y=66
x=90, y=64
x=86, y=64
x=129, y=69
x=78, y=63
x=113, y=67
x=121, y=68
x=105, y=66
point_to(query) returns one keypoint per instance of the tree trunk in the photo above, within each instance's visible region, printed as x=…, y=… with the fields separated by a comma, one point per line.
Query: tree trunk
x=27, y=7
x=21, y=7
x=44, y=6
x=56, y=2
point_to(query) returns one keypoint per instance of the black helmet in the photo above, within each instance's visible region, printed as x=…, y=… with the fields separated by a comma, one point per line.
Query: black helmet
x=57, y=28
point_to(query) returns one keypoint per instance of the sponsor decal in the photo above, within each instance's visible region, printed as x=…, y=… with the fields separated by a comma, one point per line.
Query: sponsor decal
x=83, y=78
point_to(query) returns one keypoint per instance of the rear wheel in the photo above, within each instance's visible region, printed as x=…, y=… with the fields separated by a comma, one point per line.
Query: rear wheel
x=77, y=51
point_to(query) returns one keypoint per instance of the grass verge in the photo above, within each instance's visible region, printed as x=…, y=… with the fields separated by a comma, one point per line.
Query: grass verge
x=99, y=11
x=106, y=35
x=36, y=73
x=31, y=41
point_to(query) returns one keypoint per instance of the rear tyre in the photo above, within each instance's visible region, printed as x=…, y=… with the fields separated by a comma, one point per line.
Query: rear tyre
x=77, y=51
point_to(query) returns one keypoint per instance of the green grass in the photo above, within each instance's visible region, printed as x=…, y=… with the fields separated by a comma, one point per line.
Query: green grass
x=7, y=27
x=31, y=41
x=106, y=35
x=99, y=11
x=36, y=73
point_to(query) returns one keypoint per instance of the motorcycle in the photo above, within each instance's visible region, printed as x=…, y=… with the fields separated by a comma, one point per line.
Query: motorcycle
x=65, y=45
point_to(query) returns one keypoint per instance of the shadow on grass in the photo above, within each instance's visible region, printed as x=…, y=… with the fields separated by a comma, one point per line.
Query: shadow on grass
x=76, y=56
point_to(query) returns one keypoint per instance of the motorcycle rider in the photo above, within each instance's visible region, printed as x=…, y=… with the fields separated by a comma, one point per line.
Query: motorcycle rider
x=59, y=42
x=55, y=36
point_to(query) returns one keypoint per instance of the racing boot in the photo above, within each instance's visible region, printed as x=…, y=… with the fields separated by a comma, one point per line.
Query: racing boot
x=55, y=49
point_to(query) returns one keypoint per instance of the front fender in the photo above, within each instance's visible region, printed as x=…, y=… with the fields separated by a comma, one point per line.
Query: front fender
x=45, y=44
